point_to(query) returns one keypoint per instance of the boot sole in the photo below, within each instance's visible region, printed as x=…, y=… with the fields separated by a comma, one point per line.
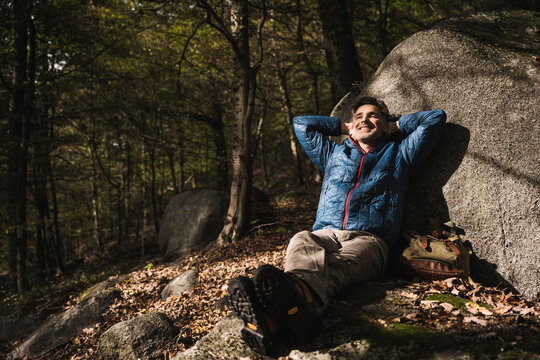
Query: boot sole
x=278, y=295
x=243, y=301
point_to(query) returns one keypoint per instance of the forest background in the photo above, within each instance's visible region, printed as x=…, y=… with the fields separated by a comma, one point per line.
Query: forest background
x=109, y=108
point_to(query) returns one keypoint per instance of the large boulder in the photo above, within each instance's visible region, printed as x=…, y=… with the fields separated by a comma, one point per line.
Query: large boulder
x=142, y=337
x=484, y=174
x=193, y=219
x=61, y=328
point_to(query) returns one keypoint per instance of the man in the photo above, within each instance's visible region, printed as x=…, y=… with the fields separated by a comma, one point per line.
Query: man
x=357, y=224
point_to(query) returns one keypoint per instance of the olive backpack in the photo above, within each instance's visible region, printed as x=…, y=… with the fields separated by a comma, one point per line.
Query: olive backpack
x=441, y=255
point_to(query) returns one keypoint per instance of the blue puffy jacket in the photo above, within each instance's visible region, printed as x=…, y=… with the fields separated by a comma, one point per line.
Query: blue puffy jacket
x=366, y=191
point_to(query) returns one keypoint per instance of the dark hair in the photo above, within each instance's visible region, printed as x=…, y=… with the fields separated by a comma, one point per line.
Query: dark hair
x=376, y=102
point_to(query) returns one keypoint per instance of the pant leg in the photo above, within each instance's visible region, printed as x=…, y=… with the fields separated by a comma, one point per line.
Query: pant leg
x=362, y=257
x=329, y=260
x=307, y=259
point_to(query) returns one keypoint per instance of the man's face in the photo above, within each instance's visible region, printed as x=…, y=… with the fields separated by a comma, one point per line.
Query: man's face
x=368, y=125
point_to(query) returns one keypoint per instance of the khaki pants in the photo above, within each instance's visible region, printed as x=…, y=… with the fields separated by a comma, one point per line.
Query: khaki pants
x=328, y=260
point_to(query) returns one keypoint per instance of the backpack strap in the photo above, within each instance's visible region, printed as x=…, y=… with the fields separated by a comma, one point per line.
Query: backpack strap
x=452, y=247
x=424, y=241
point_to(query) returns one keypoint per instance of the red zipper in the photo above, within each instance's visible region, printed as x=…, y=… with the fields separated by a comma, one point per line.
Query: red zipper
x=357, y=181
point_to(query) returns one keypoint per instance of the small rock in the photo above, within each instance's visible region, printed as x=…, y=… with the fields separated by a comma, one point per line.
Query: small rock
x=221, y=303
x=182, y=283
x=142, y=337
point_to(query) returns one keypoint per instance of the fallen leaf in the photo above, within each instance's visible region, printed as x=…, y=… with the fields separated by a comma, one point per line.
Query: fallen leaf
x=409, y=295
x=473, y=310
x=485, y=311
x=450, y=281
x=474, y=319
x=489, y=301
x=503, y=309
x=523, y=311
x=428, y=304
x=447, y=307
x=412, y=315
x=455, y=291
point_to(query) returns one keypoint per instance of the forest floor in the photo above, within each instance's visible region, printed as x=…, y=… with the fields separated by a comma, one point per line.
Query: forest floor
x=496, y=318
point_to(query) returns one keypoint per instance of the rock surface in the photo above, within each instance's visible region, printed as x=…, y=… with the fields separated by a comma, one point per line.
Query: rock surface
x=361, y=324
x=484, y=174
x=224, y=341
x=61, y=328
x=182, y=283
x=193, y=219
x=18, y=325
x=344, y=336
x=143, y=337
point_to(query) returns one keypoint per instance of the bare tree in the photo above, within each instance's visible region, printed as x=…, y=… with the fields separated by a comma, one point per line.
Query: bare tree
x=237, y=35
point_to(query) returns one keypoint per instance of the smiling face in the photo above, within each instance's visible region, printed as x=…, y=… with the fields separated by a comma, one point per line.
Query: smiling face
x=368, y=125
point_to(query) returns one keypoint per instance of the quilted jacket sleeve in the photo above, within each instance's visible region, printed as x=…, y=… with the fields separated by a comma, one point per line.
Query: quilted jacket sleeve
x=312, y=133
x=423, y=129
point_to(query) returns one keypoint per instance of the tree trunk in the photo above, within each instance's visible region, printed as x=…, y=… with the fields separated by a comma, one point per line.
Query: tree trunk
x=172, y=169
x=96, y=213
x=221, y=149
x=153, y=187
x=60, y=248
x=181, y=162
x=293, y=143
x=381, y=25
x=238, y=213
x=21, y=111
x=341, y=55
x=313, y=74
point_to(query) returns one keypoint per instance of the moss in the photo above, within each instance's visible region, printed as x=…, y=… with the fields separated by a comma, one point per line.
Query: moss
x=412, y=342
x=456, y=301
x=86, y=294
x=510, y=355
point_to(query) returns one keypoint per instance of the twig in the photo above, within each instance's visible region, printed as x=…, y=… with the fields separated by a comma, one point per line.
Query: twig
x=280, y=222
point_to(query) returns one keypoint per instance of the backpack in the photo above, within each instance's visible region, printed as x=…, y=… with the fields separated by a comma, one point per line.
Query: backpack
x=435, y=257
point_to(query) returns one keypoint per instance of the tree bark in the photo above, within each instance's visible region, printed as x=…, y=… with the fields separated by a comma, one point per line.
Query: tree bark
x=293, y=143
x=341, y=55
x=313, y=74
x=21, y=111
x=153, y=188
x=96, y=213
x=238, y=213
x=381, y=25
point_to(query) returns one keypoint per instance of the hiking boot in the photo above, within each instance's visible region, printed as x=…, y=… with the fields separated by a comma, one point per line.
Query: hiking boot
x=243, y=301
x=288, y=298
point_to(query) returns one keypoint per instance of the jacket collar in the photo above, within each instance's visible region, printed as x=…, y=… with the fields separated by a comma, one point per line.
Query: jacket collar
x=350, y=142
